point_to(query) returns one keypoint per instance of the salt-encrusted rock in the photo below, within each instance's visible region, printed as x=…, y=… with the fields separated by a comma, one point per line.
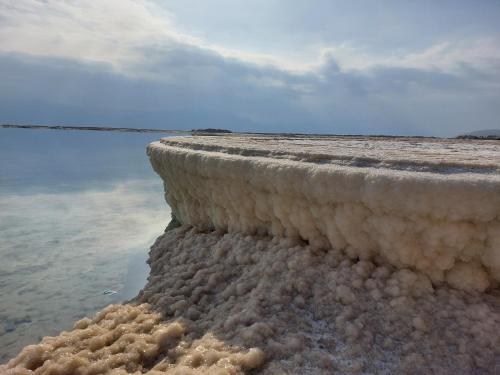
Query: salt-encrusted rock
x=430, y=205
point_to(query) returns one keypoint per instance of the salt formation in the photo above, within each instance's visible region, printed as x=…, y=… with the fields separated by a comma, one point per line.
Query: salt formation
x=229, y=295
x=125, y=339
x=429, y=205
x=230, y=303
x=313, y=311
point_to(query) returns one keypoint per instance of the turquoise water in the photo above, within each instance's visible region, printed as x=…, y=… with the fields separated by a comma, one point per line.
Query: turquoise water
x=78, y=212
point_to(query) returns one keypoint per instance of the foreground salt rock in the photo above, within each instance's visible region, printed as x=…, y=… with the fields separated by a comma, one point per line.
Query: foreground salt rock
x=130, y=339
x=428, y=205
x=313, y=311
x=229, y=303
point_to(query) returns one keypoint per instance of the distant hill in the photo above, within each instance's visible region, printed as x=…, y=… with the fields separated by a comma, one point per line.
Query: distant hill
x=482, y=134
x=485, y=133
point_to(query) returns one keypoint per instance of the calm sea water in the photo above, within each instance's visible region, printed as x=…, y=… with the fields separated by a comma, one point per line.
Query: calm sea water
x=78, y=212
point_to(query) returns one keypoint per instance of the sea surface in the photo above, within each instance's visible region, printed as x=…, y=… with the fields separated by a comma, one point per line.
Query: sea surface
x=78, y=213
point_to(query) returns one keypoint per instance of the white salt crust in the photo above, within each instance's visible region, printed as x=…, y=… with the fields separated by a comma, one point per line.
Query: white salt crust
x=234, y=303
x=428, y=205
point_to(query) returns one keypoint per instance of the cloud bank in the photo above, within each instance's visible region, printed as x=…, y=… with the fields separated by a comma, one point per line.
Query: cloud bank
x=128, y=63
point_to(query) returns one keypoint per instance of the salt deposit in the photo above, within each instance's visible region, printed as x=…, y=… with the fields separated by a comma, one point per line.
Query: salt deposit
x=429, y=205
x=314, y=311
x=124, y=339
x=229, y=303
x=297, y=266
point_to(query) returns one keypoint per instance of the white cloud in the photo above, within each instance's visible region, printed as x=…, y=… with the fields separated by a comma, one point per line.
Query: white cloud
x=448, y=56
x=169, y=77
x=120, y=32
x=111, y=31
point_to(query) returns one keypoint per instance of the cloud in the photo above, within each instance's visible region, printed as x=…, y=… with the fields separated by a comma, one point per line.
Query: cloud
x=450, y=56
x=115, y=32
x=191, y=87
x=111, y=31
x=194, y=88
x=124, y=63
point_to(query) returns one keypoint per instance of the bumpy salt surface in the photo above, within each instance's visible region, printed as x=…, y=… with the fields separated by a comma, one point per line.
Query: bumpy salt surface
x=125, y=339
x=433, y=206
x=222, y=301
x=229, y=303
x=311, y=310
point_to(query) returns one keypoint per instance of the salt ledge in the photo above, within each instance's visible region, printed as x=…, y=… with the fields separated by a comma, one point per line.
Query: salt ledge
x=429, y=205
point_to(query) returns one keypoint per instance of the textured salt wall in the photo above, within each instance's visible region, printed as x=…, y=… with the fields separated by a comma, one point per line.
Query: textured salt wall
x=428, y=205
x=317, y=312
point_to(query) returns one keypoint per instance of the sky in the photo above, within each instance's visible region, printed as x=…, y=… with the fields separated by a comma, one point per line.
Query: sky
x=318, y=66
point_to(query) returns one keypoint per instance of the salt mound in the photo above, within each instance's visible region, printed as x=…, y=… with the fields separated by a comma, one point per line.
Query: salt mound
x=229, y=303
x=290, y=262
x=429, y=205
x=313, y=311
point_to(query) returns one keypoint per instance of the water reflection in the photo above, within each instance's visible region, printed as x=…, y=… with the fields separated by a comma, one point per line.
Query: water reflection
x=67, y=233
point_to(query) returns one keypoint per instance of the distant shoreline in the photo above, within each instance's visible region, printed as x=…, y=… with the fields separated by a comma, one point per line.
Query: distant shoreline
x=94, y=128
x=207, y=131
x=214, y=131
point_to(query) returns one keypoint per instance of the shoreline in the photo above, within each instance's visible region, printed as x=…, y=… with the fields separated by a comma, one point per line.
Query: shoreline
x=225, y=132
x=92, y=128
x=209, y=131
